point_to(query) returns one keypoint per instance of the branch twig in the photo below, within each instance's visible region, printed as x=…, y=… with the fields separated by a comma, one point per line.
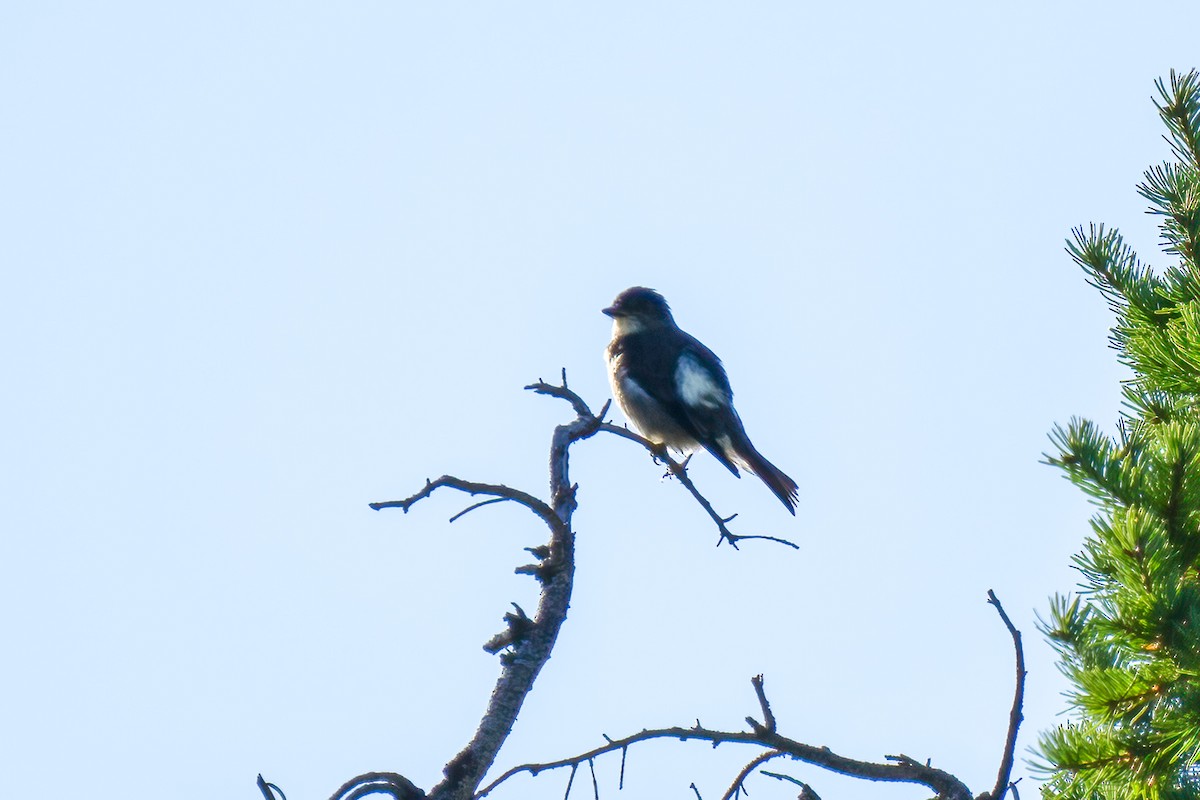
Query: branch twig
x=679, y=471
x=768, y=716
x=907, y=770
x=269, y=789
x=746, y=770
x=658, y=451
x=480, y=504
x=806, y=791
x=1015, y=716
x=499, y=491
x=397, y=786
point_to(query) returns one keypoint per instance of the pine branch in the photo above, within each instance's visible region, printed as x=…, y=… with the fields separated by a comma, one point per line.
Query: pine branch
x=1130, y=643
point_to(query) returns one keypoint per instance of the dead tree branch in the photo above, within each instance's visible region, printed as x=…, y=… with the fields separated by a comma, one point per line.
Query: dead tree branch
x=896, y=769
x=389, y=783
x=736, y=786
x=1015, y=716
x=678, y=470
x=527, y=642
x=943, y=783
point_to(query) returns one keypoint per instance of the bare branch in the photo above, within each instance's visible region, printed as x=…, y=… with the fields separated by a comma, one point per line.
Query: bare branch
x=736, y=786
x=531, y=640
x=806, y=791
x=907, y=771
x=563, y=393
x=527, y=643
x=570, y=781
x=679, y=471
x=543, y=511
x=269, y=789
x=768, y=717
x=370, y=783
x=1015, y=716
x=480, y=504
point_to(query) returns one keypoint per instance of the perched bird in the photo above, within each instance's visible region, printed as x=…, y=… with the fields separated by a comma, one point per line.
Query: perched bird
x=674, y=390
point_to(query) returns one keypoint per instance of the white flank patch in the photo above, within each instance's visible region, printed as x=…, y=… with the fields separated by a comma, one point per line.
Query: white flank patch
x=696, y=385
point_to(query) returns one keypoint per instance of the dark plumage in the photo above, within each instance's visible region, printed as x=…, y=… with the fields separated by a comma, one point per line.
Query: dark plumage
x=674, y=389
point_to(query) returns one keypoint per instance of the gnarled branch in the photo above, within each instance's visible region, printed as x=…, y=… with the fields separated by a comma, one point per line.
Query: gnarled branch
x=898, y=768
x=526, y=642
x=905, y=770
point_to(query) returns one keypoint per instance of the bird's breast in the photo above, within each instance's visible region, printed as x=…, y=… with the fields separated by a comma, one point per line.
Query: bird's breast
x=652, y=418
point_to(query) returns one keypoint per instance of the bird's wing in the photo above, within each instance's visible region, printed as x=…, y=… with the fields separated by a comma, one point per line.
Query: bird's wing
x=706, y=401
x=698, y=385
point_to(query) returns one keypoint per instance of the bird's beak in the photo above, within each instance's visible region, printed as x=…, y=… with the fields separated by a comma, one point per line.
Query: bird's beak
x=610, y=311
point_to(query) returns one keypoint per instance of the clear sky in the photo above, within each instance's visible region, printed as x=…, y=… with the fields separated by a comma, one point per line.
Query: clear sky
x=266, y=263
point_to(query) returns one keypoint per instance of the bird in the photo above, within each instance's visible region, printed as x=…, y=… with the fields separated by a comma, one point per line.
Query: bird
x=675, y=392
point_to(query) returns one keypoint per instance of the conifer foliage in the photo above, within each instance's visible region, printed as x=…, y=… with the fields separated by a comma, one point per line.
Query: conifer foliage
x=1130, y=639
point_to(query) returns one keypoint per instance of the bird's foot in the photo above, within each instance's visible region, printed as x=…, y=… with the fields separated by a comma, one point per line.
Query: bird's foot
x=671, y=472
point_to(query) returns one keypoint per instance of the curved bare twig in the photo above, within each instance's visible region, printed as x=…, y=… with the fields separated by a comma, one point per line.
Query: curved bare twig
x=678, y=470
x=1015, y=716
x=758, y=761
x=269, y=789
x=389, y=783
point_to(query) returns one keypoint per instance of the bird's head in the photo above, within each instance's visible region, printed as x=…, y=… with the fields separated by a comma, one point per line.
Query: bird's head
x=637, y=308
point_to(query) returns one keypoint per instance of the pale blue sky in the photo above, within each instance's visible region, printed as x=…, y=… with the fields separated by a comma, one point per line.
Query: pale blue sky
x=266, y=263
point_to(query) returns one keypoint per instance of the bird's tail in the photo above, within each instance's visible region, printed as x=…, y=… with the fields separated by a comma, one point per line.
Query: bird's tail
x=784, y=487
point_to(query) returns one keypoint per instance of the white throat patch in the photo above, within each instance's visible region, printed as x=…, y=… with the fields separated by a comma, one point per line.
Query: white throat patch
x=623, y=326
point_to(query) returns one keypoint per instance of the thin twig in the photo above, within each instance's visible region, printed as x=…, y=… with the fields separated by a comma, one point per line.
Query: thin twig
x=563, y=393
x=1015, y=715
x=370, y=783
x=570, y=780
x=538, y=507
x=806, y=791
x=768, y=716
x=480, y=504
x=736, y=786
x=268, y=789
x=679, y=471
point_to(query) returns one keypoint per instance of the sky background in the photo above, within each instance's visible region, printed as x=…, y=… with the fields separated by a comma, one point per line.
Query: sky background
x=266, y=263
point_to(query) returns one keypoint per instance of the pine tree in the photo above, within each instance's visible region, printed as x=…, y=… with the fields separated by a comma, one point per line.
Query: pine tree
x=1130, y=639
